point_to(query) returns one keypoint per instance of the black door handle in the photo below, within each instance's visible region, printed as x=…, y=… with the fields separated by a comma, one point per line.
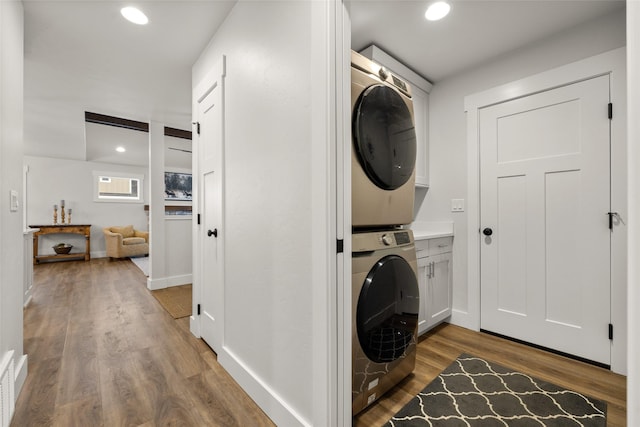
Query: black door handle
x=213, y=232
x=487, y=231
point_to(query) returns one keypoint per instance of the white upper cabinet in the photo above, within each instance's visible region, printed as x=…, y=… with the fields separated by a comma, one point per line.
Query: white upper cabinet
x=420, y=89
x=421, y=119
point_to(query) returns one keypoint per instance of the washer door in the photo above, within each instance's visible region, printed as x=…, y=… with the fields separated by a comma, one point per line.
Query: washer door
x=384, y=137
x=387, y=311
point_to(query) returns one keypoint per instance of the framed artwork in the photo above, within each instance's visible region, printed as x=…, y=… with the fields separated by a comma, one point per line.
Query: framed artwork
x=177, y=186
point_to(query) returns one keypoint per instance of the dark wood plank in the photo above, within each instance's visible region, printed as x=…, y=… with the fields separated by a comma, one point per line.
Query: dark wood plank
x=80, y=413
x=103, y=351
x=177, y=133
x=119, y=122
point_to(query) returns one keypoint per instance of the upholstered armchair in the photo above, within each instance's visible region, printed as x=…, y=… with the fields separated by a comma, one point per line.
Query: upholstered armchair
x=125, y=242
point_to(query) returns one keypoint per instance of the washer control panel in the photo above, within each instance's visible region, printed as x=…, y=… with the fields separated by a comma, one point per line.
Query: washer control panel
x=374, y=240
x=402, y=237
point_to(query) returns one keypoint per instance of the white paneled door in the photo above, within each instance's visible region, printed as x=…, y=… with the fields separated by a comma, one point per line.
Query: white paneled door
x=545, y=198
x=210, y=142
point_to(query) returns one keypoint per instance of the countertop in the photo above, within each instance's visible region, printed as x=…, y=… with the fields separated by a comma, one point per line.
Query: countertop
x=431, y=230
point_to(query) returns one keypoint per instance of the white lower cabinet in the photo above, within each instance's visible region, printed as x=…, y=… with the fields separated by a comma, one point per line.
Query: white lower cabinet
x=435, y=281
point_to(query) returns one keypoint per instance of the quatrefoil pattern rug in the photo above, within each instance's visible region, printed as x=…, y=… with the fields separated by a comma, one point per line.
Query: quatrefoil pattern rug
x=472, y=392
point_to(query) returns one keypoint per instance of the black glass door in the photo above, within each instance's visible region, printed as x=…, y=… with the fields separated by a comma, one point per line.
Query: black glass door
x=384, y=137
x=387, y=310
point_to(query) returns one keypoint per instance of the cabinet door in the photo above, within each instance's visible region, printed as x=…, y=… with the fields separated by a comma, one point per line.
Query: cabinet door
x=421, y=119
x=439, y=289
x=422, y=286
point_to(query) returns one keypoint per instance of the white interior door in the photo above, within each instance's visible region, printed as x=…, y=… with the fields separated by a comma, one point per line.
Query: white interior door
x=210, y=139
x=545, y=195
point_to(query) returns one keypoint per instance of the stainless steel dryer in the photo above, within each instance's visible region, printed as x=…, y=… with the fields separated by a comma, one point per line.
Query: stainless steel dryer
x=383, y=145
x=385, y=308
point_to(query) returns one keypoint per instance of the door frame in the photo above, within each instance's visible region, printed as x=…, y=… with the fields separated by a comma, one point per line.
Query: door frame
x=208, y=82
x=612, y=63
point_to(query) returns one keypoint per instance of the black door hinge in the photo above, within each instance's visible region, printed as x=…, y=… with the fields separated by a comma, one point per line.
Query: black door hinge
x=610, y=110
x=610, y=331
x=197, y=127
x=198, y=219
x=198, y=309
x=340, y=246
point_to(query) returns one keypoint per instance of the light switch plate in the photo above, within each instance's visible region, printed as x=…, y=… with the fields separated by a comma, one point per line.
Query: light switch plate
x=457, y=205
x=13, y=195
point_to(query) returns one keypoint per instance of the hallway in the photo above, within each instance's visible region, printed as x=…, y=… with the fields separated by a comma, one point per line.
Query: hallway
x=103, y=352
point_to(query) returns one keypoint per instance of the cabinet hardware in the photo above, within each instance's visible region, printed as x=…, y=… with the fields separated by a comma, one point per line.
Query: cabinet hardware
x=430, y=270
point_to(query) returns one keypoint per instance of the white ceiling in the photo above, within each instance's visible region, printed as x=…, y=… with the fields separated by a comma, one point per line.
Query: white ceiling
x=81, y=55
x=474, y=32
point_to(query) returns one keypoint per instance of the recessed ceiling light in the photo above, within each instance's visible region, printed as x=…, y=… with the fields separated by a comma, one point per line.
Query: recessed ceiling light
x=134, y=15
x=437, y=10
x=121, y=149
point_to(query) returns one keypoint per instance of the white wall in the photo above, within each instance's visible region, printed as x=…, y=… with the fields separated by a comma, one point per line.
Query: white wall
x=276, y=189
x=171, y=247
x=11, y=227
x=447, y=121
x=51, y=180
x=633, y=79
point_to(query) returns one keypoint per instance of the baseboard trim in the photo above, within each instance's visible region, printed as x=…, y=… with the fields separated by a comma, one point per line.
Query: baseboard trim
x=167, y=282
x=98, y=254
x=22, y=369
x=194, y=326
x=463, y=319
x=271, y=403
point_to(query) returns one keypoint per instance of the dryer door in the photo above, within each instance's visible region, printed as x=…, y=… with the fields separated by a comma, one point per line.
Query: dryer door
x=384, y=136
x=387, y=311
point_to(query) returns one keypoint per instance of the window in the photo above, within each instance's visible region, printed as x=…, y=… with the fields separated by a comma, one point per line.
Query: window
x=117, y=187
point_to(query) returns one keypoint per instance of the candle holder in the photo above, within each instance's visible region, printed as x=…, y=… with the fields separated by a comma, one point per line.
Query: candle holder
x=62, y=214
x=69, y=217
x=55, y=215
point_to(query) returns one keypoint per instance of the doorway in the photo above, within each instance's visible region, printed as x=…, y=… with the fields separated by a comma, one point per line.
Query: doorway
x=208, y=291
x=544, y=199
x=611, y=66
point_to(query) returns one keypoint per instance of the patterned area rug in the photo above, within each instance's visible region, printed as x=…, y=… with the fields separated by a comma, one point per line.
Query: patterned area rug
x=474, y=392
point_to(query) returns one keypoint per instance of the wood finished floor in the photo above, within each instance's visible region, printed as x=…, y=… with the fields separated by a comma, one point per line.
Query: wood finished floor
x=103, y=352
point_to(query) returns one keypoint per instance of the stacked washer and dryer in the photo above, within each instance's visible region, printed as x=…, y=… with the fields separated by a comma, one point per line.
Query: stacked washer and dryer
x=385, y=291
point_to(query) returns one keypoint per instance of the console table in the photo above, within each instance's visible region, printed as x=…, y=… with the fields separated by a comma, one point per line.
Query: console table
x=82, y=229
